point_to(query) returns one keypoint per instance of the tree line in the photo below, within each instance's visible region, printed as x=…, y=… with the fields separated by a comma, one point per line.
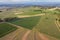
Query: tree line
x=7, y=19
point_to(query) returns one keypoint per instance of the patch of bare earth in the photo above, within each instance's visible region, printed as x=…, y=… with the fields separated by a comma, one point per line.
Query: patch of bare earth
x=30, y=36
x=26, y=35
x=36, y=36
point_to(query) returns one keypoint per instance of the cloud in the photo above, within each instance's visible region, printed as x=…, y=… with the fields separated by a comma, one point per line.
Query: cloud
x=19, y=0
x=15, y=1
x=29, y=0
x=4, y=0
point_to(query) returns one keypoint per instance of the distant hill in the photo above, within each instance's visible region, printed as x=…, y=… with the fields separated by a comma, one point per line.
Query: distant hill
x=31, y=4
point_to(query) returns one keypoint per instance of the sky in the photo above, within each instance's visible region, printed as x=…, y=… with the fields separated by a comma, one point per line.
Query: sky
x=7, y=1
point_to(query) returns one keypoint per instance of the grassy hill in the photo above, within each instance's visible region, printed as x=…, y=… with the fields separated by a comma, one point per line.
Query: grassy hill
x=44, y=24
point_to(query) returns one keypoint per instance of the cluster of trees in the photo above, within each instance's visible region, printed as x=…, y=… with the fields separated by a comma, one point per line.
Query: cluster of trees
x=37, y=10
x=1, y=11
x=40, y=10
x=1, y=20
x=7, y=19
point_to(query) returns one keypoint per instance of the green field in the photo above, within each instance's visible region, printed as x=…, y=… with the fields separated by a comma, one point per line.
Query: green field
x=32, y=12
x=27, y=22
x=5, y=29
x=47, y=26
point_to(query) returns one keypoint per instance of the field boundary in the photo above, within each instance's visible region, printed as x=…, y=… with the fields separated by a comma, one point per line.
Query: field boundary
x=24, y=16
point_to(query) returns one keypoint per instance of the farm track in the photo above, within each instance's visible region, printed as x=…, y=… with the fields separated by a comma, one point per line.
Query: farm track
x=20, y=35
x=57, y=25
x=23, y=16
x=14, y=25
x=35, y=36
x=26, y=35
x=39, y=36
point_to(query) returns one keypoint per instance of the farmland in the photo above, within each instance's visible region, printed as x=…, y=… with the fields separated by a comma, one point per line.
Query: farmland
x=47, y=25
x=27, y=22
x=6, y=28
x=30, y=24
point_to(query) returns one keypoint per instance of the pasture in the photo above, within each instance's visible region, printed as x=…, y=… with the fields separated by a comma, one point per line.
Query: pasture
x=6, y=29
x=47, y=26
x=28, y=22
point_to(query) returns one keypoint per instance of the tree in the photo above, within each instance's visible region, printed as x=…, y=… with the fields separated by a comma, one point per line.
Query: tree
x=59, y=20
x=1, y=20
